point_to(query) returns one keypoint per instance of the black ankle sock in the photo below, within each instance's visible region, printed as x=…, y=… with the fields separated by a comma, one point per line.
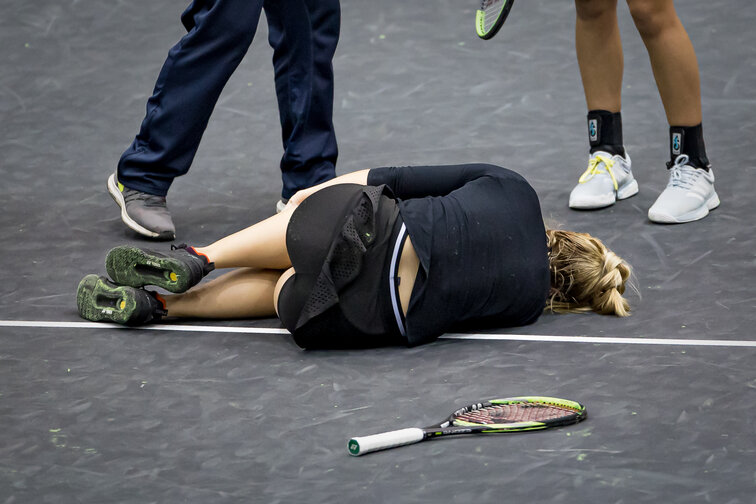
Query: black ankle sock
x=605, y=132
x=688, y=140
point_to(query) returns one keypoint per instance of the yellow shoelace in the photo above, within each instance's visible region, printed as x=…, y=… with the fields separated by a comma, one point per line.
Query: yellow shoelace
x=594, y=168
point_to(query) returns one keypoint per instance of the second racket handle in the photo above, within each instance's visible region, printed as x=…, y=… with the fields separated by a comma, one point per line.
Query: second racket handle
x=365, y=444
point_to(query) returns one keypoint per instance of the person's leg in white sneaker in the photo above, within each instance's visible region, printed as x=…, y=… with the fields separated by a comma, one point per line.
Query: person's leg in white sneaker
x=599, y=50
x=609, y=176
x=689, y=194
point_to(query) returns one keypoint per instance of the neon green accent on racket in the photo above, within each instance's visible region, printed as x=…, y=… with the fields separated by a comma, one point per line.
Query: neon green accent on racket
x=491, y=16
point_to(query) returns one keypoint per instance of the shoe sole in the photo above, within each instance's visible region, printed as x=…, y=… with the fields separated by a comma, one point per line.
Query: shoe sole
x=697, y=214
x=97, y=301
x=623, y=192
x=135, y=267
x=117, y=196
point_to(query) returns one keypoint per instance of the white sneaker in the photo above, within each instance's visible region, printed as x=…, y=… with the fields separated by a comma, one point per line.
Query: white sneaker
x=688, y=197
x=608, y=179
x=281, y=205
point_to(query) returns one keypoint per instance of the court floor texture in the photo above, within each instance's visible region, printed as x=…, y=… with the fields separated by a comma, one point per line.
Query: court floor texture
x=233, y=411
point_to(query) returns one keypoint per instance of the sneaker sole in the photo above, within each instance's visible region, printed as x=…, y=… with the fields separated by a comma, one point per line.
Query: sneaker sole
x=98, y=301
x=697, y=214
x=624, y=192
x=135, y=267
x=115, y=193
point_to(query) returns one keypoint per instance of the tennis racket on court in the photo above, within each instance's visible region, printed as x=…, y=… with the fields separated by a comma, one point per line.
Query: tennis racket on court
x=491, y=16
x=497, y=416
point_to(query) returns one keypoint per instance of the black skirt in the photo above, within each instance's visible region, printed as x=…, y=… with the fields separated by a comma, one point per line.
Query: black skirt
x=340, y=242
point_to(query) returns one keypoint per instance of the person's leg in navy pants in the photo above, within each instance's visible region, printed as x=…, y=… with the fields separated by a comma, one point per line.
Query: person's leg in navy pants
x=189, y=84
x=304, y=35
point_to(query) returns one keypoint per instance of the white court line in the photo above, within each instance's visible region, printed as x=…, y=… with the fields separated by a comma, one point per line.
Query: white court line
x=603, y=340
x=459, y=336
x=103, y=325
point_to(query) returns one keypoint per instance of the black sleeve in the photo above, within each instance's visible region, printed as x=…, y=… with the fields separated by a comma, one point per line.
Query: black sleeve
x=421, y=181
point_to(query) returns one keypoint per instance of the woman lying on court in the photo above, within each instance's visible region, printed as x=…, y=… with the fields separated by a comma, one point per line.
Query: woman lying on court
x=376, y=257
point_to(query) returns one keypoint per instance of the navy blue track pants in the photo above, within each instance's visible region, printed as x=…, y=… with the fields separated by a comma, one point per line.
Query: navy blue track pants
x=303, y=34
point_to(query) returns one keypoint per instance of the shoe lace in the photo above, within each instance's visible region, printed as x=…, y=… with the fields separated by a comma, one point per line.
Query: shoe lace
x=680, y=177
x=152, y=200
x=595, y=167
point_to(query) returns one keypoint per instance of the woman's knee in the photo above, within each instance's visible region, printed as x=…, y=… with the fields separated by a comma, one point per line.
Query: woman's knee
x=595, y=10
x=651, y=16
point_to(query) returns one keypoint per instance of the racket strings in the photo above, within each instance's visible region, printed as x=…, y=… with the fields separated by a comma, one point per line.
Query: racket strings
x=492, y=10
x=512, y=413
x=490, y=5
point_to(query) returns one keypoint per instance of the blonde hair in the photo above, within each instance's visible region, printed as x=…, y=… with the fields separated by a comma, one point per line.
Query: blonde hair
x=585, y=275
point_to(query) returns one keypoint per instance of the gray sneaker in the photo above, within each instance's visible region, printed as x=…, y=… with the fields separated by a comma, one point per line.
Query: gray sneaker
x=146, y=214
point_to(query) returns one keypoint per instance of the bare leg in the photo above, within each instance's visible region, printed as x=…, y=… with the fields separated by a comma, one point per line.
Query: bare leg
x=673, y=59
x=241, y=293
x=599, y=53
x=262, y=245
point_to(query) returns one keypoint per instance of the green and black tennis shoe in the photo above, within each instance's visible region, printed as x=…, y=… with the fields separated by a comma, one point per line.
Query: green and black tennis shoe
x=99, y=299
x=175, y=271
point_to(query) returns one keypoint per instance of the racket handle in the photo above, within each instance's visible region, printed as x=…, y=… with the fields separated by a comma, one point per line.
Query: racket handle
x=365, y=444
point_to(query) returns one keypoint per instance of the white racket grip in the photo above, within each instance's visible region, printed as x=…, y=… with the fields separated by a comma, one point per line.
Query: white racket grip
x=365, y=444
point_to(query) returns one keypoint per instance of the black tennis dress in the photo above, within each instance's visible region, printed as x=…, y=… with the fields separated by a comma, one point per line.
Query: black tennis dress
x=477, y=230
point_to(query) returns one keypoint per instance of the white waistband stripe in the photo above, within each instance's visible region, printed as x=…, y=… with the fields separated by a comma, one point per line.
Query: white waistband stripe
x=392, y=278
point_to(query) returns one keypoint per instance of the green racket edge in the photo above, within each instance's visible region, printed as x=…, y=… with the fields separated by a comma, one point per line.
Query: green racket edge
x=480, y=22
